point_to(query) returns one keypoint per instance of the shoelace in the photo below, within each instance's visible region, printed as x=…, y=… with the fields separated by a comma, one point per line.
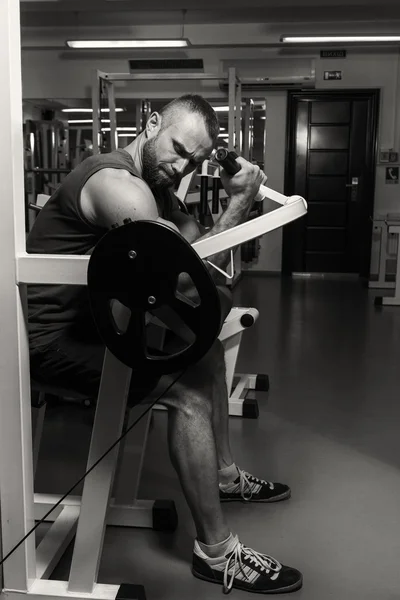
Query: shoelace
x=266, y=563
x=245, y=483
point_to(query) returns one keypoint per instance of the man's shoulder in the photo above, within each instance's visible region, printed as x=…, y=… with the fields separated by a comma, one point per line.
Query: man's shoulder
x=112, y=191
x=116, y=181
x=111, y=175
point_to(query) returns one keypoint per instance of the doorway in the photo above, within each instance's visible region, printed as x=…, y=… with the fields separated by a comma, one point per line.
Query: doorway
x=330, y=161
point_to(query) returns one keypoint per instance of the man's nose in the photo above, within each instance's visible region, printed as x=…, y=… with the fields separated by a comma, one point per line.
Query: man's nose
x=180, y=166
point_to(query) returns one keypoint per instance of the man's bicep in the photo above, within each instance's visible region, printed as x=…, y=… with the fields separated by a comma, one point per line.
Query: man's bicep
x=110, y=197
x=188, y=227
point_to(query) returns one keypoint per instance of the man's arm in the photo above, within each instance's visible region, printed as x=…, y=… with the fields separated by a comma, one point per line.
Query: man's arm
x=112, y=195
x=242, y=189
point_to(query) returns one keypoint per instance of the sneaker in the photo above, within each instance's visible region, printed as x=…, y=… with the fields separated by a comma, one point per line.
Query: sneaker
x=245, y=569
x=251, y=489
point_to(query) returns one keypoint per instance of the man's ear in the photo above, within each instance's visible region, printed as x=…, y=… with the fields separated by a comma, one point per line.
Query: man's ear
x=153, y=124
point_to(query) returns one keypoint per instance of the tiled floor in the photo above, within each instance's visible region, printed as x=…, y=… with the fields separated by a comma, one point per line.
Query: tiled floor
x=329, y=427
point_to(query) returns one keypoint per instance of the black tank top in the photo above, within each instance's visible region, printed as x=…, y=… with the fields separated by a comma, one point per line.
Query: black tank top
x=61, y=228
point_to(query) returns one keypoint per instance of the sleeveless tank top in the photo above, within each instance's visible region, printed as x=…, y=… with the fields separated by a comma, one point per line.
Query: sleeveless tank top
x=61, y=228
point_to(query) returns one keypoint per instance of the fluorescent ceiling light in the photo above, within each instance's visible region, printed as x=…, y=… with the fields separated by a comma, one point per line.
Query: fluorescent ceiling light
x=339, y=38
x=222, y=108
x=223, y=135
x=88, y=110
x=127, y=43
x=85, y=121
x=127, y=135
x=119, y=128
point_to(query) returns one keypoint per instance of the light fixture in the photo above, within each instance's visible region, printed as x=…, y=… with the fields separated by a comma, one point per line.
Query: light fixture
x=119, y=128
x=127, y=135
x=85, y=121
x=88, y=110
x=222, y=108
x=223, y=135
x=329, y=39
x=93, y=44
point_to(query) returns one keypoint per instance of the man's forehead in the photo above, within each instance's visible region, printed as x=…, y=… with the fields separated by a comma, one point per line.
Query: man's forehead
x=191, y=131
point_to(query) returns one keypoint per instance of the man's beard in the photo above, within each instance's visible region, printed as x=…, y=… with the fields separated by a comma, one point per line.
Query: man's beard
x=152, y=172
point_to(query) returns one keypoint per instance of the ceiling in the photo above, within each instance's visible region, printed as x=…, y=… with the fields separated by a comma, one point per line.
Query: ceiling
x=100, y=12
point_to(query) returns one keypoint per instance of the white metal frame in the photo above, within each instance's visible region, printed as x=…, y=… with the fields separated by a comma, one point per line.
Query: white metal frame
x=231, y=337
x=100, y=79
x=22, y=571
x=393, y=300
x=382, y=225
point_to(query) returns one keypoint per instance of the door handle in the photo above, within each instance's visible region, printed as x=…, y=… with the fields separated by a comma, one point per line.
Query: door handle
x=354, y=188
x=354, y=182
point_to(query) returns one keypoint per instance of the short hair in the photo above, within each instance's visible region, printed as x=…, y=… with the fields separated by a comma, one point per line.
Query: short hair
x=196, y=104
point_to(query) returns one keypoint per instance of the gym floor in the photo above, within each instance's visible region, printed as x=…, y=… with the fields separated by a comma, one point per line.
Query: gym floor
x=329, y=427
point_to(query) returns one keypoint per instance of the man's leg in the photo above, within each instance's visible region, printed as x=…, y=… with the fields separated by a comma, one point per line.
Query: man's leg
x=218, y=555
x=192, y=446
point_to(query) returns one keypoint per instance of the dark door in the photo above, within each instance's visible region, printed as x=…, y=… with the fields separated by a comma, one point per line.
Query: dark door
x=331, y=163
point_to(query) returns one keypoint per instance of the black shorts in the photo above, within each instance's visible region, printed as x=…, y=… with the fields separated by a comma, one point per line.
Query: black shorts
x=73, y=363
x=73, y=367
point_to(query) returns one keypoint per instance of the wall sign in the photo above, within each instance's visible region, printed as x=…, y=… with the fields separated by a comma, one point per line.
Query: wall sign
x=388, y=156
x=392, y=175
x=333, y=53
x=332, y=75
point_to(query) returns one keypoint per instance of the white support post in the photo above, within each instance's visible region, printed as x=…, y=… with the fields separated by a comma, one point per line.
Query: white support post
x=231, y=102
x=16, y=485
x=380, y=283
x=248, y=129
x=96, y=84
x=238, y=119
x=113, y=115
x=96, y=495
x=231, y=347
x=395, y=300
x=131, y=458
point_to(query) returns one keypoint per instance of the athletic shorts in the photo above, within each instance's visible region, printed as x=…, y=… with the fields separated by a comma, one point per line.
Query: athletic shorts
x=73, y=364
x=74, y=367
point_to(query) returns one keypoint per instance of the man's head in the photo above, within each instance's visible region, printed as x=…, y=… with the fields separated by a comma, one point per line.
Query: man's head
x=179, y=138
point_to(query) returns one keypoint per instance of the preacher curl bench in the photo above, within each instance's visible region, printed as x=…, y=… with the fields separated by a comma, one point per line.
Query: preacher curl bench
x=125, y=254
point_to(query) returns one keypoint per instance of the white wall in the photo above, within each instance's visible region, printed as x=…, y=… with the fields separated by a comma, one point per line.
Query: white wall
x=48, y=74
x=271, y=244
x=359, y=71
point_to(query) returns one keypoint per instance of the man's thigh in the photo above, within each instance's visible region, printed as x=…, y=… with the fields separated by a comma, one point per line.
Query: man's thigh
x=75, y=365
x=69, y=364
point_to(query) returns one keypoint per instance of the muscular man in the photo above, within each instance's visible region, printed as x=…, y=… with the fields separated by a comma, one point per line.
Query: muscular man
x=65, y=350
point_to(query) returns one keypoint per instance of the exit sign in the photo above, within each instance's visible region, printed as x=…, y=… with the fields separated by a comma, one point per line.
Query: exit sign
x=332, y=75
x=333, y=53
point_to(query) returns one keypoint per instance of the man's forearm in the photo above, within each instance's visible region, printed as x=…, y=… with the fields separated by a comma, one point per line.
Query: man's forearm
x=236, y=213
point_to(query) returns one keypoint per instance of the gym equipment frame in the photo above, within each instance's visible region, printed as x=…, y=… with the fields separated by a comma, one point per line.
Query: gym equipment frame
x=25, y=571
x=102, y=80
x=394, y=229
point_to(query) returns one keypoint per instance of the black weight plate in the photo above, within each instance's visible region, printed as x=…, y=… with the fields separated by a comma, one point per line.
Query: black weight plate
x=160, y=255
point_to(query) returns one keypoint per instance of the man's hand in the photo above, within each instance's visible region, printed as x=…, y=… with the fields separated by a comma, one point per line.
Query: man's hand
x=244, y=185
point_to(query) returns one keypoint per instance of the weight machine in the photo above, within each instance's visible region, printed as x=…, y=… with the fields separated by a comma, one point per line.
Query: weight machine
x=103, y=87
x=26, y=572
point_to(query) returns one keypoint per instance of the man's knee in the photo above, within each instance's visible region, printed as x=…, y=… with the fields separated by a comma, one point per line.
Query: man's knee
x=190, y=400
